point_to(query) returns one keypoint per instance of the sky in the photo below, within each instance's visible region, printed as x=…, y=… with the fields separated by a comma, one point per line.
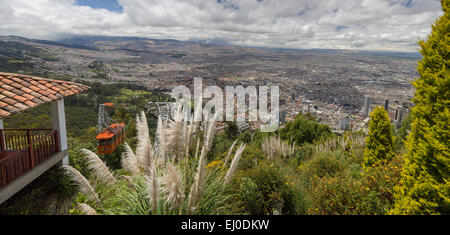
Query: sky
x=387, y=25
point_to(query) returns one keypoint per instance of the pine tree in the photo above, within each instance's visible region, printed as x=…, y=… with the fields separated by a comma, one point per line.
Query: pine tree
x=379, y=143
x=425, y=186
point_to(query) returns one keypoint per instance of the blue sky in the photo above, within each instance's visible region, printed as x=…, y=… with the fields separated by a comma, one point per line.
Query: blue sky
x=391, y=25
x=111, y=5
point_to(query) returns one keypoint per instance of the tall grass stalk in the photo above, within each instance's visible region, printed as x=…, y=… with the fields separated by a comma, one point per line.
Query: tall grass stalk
x=167, y=178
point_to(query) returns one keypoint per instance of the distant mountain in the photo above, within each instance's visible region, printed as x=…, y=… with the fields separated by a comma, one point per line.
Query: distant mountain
x=139, y=43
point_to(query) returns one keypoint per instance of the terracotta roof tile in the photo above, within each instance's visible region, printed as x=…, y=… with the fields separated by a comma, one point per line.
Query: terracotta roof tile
x=30, y=103
x=34, y=88
x=21, y=92
x=28, y=96
x=44, y=92
x=37, y=101
x=34, y=82
x=25, y=84
x=8, y=94
x=4, y=113
x=17, y=91
x=26, y=90
x=11, y=109
x=52, y=97
x=9, y=101
x=20, y=98
x=16, y=85
x=7, y=81
x=7, y=87
x=65, y=85
x=21, y=106
x=55, y=88
x=42, y=87
x=17, y=80
x=50, y=91
x=45, y=99
x=3, y=104
x=37, y=95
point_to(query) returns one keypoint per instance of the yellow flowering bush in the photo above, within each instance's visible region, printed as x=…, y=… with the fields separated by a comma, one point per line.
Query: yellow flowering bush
x=370, y=193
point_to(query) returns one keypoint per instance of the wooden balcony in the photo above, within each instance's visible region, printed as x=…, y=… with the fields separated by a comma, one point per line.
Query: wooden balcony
x=22, y=150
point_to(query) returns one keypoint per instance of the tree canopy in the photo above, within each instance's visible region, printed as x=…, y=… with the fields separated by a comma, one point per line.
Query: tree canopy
x=379, y=143
x=425, y=185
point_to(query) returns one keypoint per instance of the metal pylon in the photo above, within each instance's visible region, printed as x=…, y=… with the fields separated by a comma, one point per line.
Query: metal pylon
x=103, y=118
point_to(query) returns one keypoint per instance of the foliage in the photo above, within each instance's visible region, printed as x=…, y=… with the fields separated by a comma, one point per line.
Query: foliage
x=275, y=148
x=425, y=185
x=379, y=143
x=273, y=191
x=99, y=69
x=232, y=130
x=348, y=190
x=53, y=189
x=245, y=137
x=304, y=129
x=160, y=180
x=324, y=164
x=402, y=133
x=251, y=196
x=250, y=157
x=48, y=194
x=220, y=146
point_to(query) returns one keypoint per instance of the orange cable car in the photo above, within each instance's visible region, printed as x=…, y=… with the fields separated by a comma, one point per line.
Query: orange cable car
x=110, y=138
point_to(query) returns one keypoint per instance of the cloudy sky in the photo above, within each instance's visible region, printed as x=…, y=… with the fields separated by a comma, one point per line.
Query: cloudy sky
x=337, y=24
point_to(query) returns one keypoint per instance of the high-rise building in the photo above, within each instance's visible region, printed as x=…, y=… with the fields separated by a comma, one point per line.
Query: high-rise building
x=366, y=106
x=400, y=114
x=343, y=123
x=386, y=105
x=282, y=116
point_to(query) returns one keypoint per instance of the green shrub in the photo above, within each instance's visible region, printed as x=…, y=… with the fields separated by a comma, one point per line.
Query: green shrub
x=250, y=157
x=245, y=137
x=323, y=164
x=369, y=193
x=220, y=145
x=277, y=194
x=304, y=129
x=251, y=196
x=338, y=195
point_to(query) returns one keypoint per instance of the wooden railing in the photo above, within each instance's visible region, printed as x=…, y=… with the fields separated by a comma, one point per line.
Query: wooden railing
x=23, y=149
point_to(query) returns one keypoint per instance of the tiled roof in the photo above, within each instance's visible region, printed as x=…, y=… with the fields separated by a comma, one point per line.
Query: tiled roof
x=21, y=92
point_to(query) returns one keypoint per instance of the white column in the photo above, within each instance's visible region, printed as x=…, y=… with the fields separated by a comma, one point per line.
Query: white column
x=59, y=124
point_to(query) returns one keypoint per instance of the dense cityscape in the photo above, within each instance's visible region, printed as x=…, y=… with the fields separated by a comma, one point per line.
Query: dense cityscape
x=338, y=87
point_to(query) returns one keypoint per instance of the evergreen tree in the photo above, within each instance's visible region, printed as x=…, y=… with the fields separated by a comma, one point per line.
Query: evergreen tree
x=304, y=129
x=232, y=130
x=425, y=187
x=379, y=142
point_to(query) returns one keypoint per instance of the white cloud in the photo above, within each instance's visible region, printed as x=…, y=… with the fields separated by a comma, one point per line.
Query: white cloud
x=341, y=24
